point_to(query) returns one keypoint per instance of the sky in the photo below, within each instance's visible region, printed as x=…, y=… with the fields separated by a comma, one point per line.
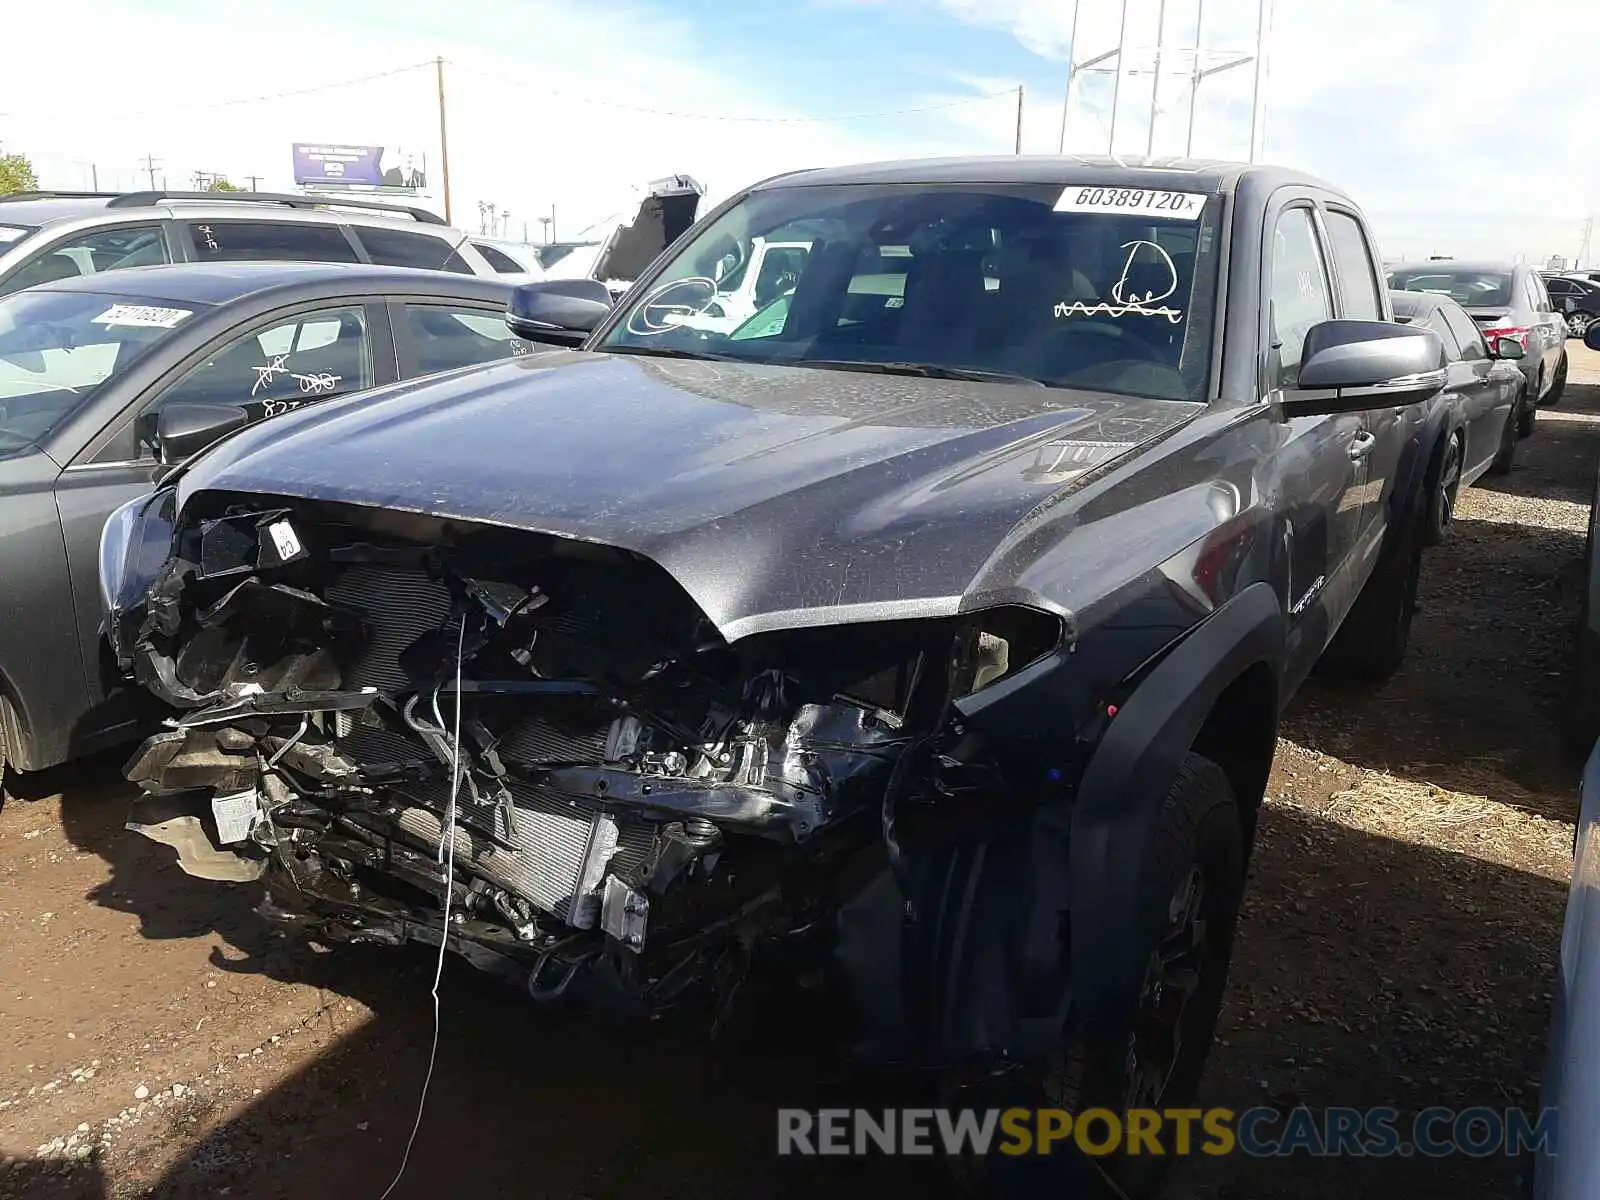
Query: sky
x=1453, y=140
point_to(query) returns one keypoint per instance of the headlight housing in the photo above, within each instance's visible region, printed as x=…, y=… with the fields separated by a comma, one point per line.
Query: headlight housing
x=135, y=542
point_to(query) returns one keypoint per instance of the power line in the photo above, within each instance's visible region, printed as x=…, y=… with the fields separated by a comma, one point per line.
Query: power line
x=699, y=116
x=189, y=107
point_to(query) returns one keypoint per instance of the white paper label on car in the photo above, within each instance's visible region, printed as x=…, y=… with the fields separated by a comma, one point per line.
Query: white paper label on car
x=142, y=316
x=236, y=815
x=1146, y=202
x=283, y=537
x=10, y=233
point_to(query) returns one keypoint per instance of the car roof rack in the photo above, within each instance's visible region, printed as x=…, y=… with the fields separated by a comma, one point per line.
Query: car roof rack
x=150, y=199
x=53, y=195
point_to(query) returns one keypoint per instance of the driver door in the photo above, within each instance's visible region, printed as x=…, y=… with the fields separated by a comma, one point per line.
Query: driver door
x=1319, y=465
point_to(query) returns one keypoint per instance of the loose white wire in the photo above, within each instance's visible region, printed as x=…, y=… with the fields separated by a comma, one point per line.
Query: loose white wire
x=447, y=836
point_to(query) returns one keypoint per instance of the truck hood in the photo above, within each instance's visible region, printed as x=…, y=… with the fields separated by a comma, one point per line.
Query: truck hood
x=775, y=496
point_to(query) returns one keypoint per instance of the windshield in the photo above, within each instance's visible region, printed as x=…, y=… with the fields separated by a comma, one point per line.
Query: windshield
x=1470, y=289
x=58, y=348
x=1108, y=289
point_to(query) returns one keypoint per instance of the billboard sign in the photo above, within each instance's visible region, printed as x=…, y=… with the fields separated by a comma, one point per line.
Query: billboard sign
x=327, y=165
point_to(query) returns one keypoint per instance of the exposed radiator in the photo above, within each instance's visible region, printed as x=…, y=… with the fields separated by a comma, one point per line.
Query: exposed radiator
x=400, y=604
x=557, y=857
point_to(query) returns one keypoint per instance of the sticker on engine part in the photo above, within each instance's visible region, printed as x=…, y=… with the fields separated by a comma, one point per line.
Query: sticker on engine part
x=284, y=539
x=142, y=316
x=1144, y=202
x=236, y=815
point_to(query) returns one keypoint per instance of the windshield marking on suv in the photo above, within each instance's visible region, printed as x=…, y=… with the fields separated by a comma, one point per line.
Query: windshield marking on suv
x=1136, y=305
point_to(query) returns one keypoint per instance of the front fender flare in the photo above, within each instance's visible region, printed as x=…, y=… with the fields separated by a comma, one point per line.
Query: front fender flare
x=1128, y=778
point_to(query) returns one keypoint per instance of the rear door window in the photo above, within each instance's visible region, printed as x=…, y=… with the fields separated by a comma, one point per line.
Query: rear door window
x=445, y=337
x=398, y=248
x=1358, y=282
x=1471, y=341
x=499, y=260
x=258, y=241
x=91, y=254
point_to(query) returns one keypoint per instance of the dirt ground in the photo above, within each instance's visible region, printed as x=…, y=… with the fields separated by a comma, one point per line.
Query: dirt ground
x=1398, y=947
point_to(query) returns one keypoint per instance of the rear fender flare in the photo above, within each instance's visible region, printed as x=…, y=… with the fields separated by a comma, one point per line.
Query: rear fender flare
x=1120, y=798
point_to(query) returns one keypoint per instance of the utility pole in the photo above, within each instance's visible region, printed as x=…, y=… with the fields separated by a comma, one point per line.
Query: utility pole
x=1258, y=106
x=1155, y=80
x=505, y=223
x=545, y=221
x=1195, y=77
x=552, y=228
x=1116, y=87
x=150, y=164
x=1019, y=118
x=444, y=142
x=1072, y=56
x=254, y=179
x=1583, y=246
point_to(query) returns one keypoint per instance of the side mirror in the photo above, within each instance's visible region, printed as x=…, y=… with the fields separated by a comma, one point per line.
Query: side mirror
x=1591, y=336
x=183, y=430
x=1505, y=347
x=1349, y=366
x=561, y=312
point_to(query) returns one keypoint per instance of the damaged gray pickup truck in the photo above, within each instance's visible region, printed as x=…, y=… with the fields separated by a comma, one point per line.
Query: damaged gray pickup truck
x=928, y=629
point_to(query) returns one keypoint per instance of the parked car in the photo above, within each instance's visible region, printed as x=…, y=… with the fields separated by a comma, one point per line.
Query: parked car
x=46, y=236
x=510, y=258
x=1485, y=397
x=1578, y=300
x=86, y=366
x=1570, y=1168
x=934, y=639
x=1503, y=300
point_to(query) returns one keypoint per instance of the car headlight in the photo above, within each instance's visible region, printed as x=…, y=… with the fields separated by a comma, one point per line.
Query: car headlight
x=135, y=542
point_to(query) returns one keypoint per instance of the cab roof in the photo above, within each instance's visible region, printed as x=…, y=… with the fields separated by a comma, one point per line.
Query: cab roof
x=1186, y=174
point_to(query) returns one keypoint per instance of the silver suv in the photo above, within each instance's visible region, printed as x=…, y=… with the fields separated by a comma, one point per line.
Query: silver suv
x=46, y=236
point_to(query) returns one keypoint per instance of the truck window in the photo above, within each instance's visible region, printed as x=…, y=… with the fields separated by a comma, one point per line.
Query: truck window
x=1298, y=293
x=1358, y=282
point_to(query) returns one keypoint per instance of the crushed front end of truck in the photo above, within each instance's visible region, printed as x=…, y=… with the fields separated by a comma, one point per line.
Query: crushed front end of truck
x=385, y=716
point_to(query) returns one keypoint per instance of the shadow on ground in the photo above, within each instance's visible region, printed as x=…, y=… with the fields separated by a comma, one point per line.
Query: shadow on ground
x=1436, y=995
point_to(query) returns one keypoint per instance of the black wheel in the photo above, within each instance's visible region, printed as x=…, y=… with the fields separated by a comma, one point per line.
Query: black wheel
x=1508, y=438
x=1442, y=497
x=1189, y=909
x=1578, y=323
x=1371, y=644
x=1558, y=385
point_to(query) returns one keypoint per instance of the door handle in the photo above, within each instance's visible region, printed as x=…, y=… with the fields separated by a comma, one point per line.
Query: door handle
x=1361, y=445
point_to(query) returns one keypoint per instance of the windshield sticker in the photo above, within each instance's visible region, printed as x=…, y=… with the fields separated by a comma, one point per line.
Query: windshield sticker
x=210, y=238
x=1134, y=303
x=142, y=316
x=10, y=233
x=1147, y=202
x=311, y=385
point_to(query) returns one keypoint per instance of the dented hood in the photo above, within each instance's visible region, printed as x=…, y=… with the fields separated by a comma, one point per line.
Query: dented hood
x=776, y=496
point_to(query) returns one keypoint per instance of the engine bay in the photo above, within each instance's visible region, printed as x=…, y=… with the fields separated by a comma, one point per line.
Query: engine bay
x=386, y=716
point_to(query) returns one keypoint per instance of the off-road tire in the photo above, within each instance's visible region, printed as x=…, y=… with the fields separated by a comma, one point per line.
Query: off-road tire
x=1558, y=385
x=1508, y=438
x=1200, y=829
x=1371, y=644
x=1442, y=493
